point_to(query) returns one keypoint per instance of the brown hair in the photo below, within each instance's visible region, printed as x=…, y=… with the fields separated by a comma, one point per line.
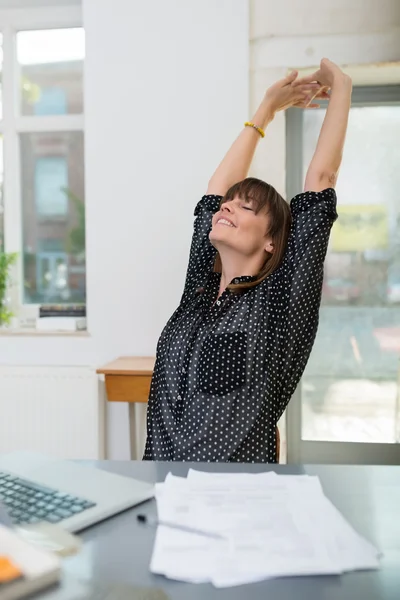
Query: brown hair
x=264, y=198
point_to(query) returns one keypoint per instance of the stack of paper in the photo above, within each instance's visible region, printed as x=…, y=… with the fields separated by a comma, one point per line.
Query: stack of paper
x=232, y=529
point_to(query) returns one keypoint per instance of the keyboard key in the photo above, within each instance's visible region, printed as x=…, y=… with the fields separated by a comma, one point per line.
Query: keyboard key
x=53, y=518
x=80, y=501
x=76, y=508
x=64, y=514
x=32, y=520
x=69, y=499
x=36, y=487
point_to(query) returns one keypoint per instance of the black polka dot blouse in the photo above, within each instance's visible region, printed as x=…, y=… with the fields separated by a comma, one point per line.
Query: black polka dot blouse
x=226, y=369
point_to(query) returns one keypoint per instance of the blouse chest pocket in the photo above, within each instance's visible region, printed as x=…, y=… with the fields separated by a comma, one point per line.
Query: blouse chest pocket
x=223, y=356
x=222, y=363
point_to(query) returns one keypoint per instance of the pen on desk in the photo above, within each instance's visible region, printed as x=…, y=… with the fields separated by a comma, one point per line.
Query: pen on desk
x=154, y=522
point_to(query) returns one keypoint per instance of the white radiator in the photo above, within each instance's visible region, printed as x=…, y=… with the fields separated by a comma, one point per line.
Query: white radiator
x=53, y=410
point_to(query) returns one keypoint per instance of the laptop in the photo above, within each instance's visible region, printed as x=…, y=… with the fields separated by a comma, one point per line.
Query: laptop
x=36, y=488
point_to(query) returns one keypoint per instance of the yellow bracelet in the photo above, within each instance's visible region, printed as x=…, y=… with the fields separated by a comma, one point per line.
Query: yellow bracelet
x=260, y=131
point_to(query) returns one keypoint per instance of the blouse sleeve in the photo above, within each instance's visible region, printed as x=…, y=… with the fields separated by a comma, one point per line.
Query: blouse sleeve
x=202, y=252
x=298, y=287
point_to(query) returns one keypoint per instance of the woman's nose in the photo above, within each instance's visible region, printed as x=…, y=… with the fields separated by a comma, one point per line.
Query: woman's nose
x=227, y=207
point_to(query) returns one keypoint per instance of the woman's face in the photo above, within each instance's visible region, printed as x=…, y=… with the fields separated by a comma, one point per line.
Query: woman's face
x=237, y=226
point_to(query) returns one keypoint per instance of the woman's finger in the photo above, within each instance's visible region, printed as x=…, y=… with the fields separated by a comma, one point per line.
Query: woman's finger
x=290, y=78
x=306, y=95
x=306, y=102
x=309, y=86
x=323, y=95
x=313, y=78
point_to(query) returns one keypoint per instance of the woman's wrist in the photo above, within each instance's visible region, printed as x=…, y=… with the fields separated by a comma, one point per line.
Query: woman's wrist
x=343, y=81
x=264, y=114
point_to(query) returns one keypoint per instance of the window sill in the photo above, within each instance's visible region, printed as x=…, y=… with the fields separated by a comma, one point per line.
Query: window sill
x=27, y=331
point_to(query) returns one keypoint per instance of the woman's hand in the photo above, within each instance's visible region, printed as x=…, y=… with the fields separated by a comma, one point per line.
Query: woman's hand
x=285, y=93
x=328, y=75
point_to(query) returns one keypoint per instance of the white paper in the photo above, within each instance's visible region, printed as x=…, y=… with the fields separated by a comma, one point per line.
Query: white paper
x=268, y=525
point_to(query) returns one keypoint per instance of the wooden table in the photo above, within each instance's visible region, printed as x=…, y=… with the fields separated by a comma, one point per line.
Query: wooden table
x=128, y=379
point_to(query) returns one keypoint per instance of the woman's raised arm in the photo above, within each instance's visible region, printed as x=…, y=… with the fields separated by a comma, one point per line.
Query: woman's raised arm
x=324, y=167
x=236, y=163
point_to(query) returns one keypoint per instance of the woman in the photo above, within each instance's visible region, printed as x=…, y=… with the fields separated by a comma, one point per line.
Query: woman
x=232, y=354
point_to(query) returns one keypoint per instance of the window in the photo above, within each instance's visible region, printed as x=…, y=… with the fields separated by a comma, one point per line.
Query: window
x=51, y=68
x=51, y=179
x=350, y=389
x=52, y=176
x=42, y=127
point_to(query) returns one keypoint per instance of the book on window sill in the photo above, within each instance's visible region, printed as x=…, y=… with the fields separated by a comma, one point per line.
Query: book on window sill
x=24, y=568
x=62, y=310
x=61, y=324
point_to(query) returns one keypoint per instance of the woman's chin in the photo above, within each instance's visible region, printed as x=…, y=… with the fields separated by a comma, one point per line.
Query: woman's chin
x=219, y=232
x=217, y=239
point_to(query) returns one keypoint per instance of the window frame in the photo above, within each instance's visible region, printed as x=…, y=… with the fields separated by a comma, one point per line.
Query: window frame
x=12, y=21
x=310, y=451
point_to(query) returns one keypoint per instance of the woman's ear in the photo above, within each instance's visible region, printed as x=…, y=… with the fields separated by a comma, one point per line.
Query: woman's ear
x=269, y=247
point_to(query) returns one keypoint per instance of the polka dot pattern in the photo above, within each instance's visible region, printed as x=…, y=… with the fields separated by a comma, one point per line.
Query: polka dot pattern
x=226, y=369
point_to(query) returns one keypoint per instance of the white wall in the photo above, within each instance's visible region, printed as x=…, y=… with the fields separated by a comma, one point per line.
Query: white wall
x=166, y=90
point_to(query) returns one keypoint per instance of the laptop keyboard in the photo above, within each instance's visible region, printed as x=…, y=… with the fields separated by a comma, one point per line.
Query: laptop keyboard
x=28, y=502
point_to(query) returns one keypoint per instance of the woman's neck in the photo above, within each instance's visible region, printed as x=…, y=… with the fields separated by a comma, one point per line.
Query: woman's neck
x=238, y=266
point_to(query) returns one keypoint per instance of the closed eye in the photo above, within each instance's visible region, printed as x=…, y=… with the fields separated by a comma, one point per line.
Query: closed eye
x=248, y=208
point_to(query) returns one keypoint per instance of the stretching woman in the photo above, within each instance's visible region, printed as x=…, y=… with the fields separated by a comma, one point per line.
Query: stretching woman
x=232, y=354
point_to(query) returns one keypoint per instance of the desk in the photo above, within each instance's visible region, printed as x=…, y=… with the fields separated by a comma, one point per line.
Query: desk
x=369, y=497
x=128, y=379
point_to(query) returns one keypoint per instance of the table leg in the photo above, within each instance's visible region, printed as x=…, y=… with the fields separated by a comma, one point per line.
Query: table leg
x=133, y=431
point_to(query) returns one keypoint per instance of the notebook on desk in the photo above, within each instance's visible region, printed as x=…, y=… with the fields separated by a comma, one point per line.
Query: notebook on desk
x=24, y=568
